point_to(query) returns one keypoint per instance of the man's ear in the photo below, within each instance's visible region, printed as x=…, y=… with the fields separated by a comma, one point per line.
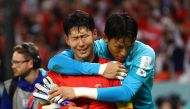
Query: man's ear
x=95, y=34
x=31, y=63
x=66, y=39
x=105, y=37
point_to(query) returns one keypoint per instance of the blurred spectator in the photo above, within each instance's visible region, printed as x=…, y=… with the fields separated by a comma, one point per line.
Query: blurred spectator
x=17, y=91
x=172, y=101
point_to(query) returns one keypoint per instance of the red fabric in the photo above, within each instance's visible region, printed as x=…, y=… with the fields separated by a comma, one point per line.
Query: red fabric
x=86, y=81
x=30, y=102
x=69, y=105
x=40, y=106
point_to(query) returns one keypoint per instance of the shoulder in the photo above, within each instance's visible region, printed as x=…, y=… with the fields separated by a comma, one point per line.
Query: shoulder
x=8, y=81
x=66, y=52
x=143, y=56
x=142, y=49
x=101, y=48
x=100, y=43
x=7, y=84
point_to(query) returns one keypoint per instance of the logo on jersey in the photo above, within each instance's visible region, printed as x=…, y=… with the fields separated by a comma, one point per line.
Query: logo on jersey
x=141, y=72
x=145, y=62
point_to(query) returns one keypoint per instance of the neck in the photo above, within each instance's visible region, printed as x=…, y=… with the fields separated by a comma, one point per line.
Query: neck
x=31, y=77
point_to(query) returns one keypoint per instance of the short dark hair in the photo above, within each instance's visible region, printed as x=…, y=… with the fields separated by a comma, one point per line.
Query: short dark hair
x=78, y=19
x=121, y=26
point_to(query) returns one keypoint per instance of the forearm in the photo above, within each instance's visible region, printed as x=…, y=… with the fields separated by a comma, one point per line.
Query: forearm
x=65, y=65
x=112, y=94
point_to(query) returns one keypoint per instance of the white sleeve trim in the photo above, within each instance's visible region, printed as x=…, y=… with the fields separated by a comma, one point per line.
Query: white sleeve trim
x=86, y=92
x=102, y=68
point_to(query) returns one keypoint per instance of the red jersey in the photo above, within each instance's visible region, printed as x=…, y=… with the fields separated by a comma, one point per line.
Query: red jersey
x=86, y=81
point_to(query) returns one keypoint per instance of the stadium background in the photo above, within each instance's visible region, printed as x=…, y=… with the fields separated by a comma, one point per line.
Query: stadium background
x=163, y=24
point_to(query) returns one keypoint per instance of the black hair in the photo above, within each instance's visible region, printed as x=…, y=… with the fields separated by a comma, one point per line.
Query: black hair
x=78, y=19
x=121, y=26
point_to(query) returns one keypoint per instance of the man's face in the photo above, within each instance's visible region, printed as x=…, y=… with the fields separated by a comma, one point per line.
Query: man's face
x=119, y=48
x=20, y=65
x=81, y=41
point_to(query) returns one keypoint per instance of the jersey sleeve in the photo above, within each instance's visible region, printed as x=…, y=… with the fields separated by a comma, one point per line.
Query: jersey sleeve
x=101, y=49
x=64, y=63
x=122, y=93
x=143, y=65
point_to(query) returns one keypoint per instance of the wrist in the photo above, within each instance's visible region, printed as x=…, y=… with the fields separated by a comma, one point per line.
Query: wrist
x=102, y=69
x=85, y=92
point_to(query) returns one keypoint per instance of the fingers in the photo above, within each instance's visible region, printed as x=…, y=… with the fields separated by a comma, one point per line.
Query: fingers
x=48, y=82
x=60, y=100
x=53, y=93
x=119, y=77
x=40, y=96
x=53, y=90
x=41, y=88
x=56, y=99
x=120, y=66
x=123, y=74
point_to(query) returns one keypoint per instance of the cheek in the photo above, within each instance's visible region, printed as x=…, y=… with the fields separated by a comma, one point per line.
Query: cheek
x=73, y=45
x=114, y=51
x=89, y=43
x=89, y=40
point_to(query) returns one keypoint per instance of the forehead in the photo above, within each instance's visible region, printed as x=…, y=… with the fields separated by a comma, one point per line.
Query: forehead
x=18, y=56
x=122, y=41
x=78, y=30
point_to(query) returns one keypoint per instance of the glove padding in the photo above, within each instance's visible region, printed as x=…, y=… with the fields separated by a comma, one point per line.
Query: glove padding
x=41, y=92
x=49, y=83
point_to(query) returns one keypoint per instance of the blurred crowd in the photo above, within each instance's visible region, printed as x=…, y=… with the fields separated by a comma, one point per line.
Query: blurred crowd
x=172, y=101
x=163, y=24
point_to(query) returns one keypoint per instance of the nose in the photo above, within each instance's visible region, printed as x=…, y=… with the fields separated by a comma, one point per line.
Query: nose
x=81, y=42
x=13, y=65
x=123, y=52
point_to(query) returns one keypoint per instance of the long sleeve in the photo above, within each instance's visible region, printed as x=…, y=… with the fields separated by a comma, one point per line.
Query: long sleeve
x=64, y=63
x=120, y=93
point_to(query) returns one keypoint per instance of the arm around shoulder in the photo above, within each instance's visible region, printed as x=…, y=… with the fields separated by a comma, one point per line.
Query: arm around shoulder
x=65, y=64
